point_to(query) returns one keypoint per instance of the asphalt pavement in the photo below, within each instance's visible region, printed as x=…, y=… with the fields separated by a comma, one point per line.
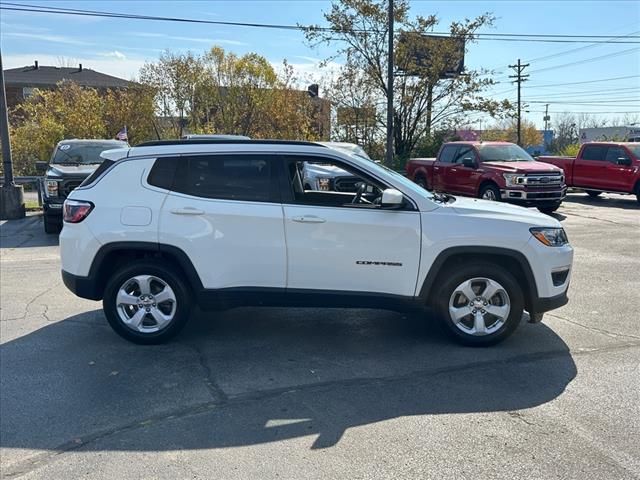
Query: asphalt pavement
x=270, y=393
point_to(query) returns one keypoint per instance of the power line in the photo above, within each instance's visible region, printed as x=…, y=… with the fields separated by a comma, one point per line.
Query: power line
x=573, y=50
x=587, y=60
x=553, y=38
x=584, y=82
x=587, y=93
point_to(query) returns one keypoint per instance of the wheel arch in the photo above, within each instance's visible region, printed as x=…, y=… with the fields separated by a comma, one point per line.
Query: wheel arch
x=512, y=260
x=484, y=183
x=113, y=255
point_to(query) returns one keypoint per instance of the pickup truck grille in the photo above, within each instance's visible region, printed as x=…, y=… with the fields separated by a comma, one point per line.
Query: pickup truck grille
x=68, y=186
x=345, y=184
x=544, y=180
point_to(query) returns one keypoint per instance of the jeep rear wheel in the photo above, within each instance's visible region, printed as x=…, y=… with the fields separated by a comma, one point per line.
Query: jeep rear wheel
x=480, y=304
x=146, y=303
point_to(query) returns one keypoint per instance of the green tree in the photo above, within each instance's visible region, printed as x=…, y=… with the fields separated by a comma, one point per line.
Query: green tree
x=423, y=100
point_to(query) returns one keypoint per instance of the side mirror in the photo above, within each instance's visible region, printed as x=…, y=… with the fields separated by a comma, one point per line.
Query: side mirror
x=41, y=167
x=623, y=161
x=468, y=162
x=391, y=198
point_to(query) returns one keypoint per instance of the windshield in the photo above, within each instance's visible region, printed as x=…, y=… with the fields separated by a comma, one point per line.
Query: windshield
x=503, y=153
x=635, y=149
x=85, y=153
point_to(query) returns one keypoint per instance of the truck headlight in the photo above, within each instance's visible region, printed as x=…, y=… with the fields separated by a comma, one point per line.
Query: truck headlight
x=52, y=188
x=551, y=237
x=513, y=179
x=323, y=183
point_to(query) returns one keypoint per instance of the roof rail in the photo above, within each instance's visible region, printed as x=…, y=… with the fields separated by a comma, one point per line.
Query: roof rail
x=205, y=141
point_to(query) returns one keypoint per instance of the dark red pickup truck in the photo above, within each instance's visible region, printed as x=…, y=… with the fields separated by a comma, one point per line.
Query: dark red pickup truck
x=493, y=171
x=602, y=167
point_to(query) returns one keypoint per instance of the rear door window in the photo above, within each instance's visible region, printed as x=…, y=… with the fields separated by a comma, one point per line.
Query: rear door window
x=594, y=152
x=228, y=177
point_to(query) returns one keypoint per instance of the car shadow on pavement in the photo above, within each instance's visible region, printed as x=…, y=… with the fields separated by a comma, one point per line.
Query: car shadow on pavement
x=26, y=233
x=626, y=202
x=257, y=375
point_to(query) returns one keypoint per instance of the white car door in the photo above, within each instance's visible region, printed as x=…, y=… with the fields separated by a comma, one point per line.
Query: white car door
x=337, y=246
x=224, y=212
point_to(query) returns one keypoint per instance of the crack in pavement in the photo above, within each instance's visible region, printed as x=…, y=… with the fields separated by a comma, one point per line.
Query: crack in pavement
x=216, y=392
x=35, y=462
x=30, y=302
x=596, y=218
x=595, y=329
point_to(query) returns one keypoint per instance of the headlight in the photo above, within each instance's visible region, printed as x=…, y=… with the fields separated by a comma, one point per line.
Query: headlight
x=513, y=179
x=551, y=237
x=52, y=188
x=323, y=183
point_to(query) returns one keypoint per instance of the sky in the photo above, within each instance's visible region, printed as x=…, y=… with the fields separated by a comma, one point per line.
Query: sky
x=120, y=47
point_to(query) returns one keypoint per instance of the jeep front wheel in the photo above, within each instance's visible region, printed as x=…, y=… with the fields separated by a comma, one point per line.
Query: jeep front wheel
x=480, y=304
x=146, y=303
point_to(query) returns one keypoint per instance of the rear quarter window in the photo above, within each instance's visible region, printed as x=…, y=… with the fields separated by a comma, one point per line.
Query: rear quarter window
x=163, y=172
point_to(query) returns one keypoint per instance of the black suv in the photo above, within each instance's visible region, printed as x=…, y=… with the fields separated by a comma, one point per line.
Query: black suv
x=71, y=163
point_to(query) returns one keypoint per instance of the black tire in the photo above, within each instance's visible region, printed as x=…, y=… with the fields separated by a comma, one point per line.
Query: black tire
x=593, y=193
x=466, y=272
x=52, y=225
x=421, y=181
x=165, y=273
x=638, y=192
x=549, y=209
x=495, y=191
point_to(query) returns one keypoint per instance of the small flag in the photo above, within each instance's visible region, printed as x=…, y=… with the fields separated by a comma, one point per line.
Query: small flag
x=122, y=134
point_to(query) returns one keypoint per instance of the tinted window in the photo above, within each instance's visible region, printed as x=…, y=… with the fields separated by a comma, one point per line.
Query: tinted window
x=448, y=153
x=594, y=152
x=77, y=152
x=163, y=171
x=614, y=153
x=231, y=177
x=465, y=151
x=102, y=168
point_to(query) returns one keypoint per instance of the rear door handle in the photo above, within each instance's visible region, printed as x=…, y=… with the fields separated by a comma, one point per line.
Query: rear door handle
x=308, y=219
x=187, y=211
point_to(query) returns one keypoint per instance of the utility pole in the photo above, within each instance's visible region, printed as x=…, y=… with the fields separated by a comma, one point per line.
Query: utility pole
x=389, y=157
x=11, y=195
x=519, y=79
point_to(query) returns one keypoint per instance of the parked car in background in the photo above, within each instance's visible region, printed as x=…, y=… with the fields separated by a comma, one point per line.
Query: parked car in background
x=318, y=176
x=602, y=167
x=72, y=161
x=499, y=171
x=168, y=225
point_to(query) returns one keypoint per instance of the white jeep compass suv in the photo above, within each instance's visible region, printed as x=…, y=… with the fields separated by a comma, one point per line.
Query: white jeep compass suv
x=166, y=225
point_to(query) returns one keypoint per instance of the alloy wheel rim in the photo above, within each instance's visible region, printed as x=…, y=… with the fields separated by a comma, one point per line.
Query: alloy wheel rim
x=146, y=303
x=479, y=306
x=489, y=195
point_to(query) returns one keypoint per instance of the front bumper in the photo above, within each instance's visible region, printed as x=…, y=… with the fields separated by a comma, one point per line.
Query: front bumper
x=533, y=197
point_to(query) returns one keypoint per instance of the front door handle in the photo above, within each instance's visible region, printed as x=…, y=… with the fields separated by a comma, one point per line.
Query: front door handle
x=308, y=219
x=187, y=211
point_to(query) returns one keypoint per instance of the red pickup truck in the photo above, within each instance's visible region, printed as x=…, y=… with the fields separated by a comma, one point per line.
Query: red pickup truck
x=602, y=167
x=493, y=171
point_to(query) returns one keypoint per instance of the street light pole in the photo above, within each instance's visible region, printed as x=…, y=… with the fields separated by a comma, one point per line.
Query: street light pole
x=11, y=195
x=389, y=156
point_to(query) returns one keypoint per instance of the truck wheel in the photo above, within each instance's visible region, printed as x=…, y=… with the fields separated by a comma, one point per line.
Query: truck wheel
x=549, y=210
x=420, y=180
x=638, y=192
x=593, y=193
x=52, y=225
x=147, y=302
x=490, y=192
x=480, y=304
